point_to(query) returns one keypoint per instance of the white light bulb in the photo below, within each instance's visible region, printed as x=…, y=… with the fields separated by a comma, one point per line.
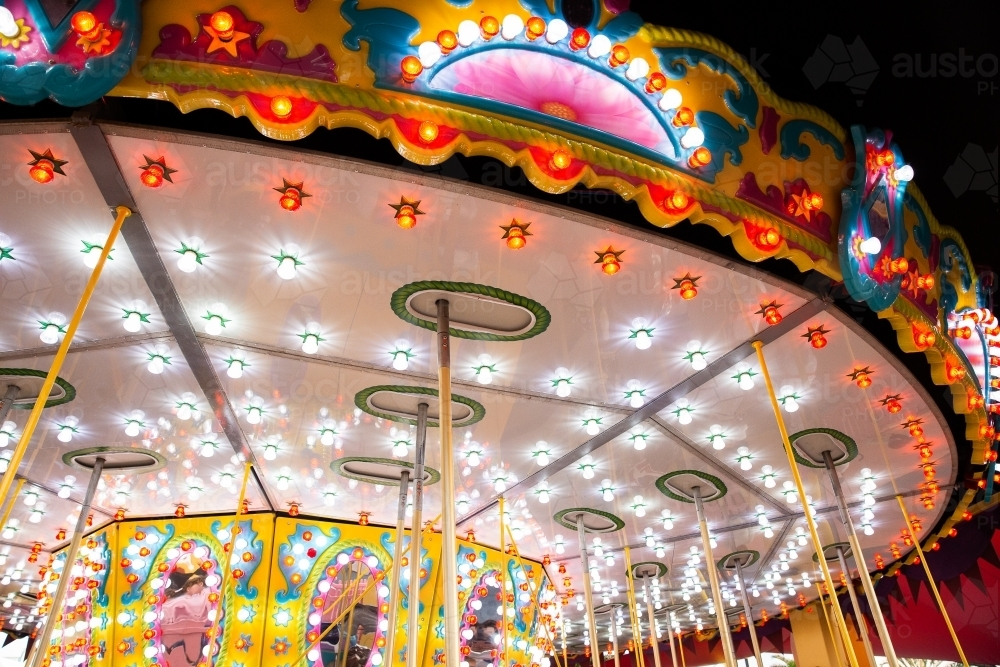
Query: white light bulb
x=637, y=69
x=399, y=360
x=698, y=361
x=562, y=388
x=671, y=100
x=8, y=26
x=429, y=53
x=50, y=334
x=132, y=322
x=473, y=459
x=746, y=382
x=213, y=326
x=592, y=427
x=608, y=495
x=485, y=375
x=399, y=449
x=745, y=463
x=511, y=27
x=500, y=484
x=542, y=458
x=287, y=268
x=789, y=404
x=556, y=31
x=871, y=246
x=868, y=529
x=684, y=417
x=599, y=46
x=91, y=256
x=188, y=261
x=310, y=343
x=642, y=340
x=254, y=415
x=327, y=437
x=132, y=430
x=904, y=173
x=270, y=452
x=692, y=138
x=65, y=434
x=636, y=400
x=155, y=365
x=235, y=369
x=468, y=32
x=543, y=496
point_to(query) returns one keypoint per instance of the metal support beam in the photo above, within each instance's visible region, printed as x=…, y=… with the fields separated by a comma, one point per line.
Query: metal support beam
x=110, y=181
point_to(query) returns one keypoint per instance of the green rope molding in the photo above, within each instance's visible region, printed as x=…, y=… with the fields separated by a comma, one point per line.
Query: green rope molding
x=560, y=518
x=69, y=458
x=398, y=304
x=361, y=401
x=848, y=442
x=337, y=466
x=661, y=569
x=720, y=487
x=754, y=557
x=69, y=391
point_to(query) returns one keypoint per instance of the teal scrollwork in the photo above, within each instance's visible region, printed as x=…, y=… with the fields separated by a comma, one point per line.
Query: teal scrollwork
x=791, y=147
x=742, y=102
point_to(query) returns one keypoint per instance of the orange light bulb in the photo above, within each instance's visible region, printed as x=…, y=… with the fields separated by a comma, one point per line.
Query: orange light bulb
x=817, y=339
x=84, y=24
x=428, y=131
x=489, y=27
x=684, y=116
x=534, y=28
x=406, y=217
x=447, y=40
x=699, y=158
x=291, y=200
x=893, y=407
x=864, y=381
x=515, y=240
x=152, y=176
x=281, y=106
x=677, y=201
x=610, y=264
x=579, y=39
x=955, y=373
x=560, y=160
x=43, y=172
x=411, y=68
x=769, y=238
x=656, y=82
x=619, y=55
x=771, y=315
x=223, y=25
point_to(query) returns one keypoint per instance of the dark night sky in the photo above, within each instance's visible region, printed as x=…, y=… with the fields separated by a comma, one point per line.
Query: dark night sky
x=935, y=117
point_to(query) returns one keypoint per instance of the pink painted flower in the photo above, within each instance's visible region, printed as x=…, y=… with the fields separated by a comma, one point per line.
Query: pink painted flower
x=557, y=87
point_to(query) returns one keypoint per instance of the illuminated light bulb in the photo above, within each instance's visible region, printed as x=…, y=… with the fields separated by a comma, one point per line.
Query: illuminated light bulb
x=607, y=491
x=717, y=438
x=223, y=25
x=635, y=399
x=639, y=506
x=562, y=383
x=556, y=31
x=512, y=26
x=281, y=106
x=43, y=171
x=189, y=255
x=399, y=449
x=643, y=337
x=91, y=255
x=237, y=362
x=788, y=399
x=620, y=56
x=468, y=33
x=543, y=495
x=155, y=365
x=683, y=117
x=515, y=238
x=671, y=99
x=871, y=245
x=428, y=131
x=270, y=451
x=500, y=484
x=599, y=47
x=473, y=458
x=489, y=26
x=745, y=381
x=668, y=521
x=744, y=458
x=593, y=426
x=152, y=176
x=8, y=26
x=579, y=39
x=50, y=334
x=310, y=343
x=868, y=529
x=560, y=160
x=447, y=40
x=254, y=414
x=541, y=454
x=484, y=371
x=534, y=28
x=768, y=474
x=134, y=423
x=429, y=53
x=700, y=158
x=610, y=264
x=637, y=69
x=133, y=321
x=214, y=324
x=693, y=138
x=769, y=238
x=67, y=429
x=410, y=68
x=903, y=173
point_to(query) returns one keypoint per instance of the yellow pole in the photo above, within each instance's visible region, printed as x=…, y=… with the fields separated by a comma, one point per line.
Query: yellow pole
x=503, y=586
x=810, y=522
x=57, y=362
x=449, y=540
x=630, y=591
x=532, y=590
x=930, y=580
x=228, y=561
x=10, y=505
x=829, y=628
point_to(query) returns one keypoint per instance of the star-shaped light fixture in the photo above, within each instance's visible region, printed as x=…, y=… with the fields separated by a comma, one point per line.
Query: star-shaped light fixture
x=292, y=195
x=515, y=234
x=407, y=211
x=154, y=172
x=221, y=28
x=610, y=260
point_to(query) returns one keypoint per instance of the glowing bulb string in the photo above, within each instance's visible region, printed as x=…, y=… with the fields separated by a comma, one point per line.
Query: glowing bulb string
x=533, y=591
x=348, y=591
x=50, y=379
x=807, y=512
x=226, y=574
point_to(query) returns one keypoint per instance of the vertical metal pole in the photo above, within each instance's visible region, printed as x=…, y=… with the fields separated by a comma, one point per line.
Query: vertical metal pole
x=807, y=511
x=7, y=402
x=652, y=622
x=614, y=636
x=713, y=580
x=595, y=648
x=933, y=586
x=748, y=610
x=58, y=600
x=397, y=556
x=670, y=638
x=633, y=607
x=505, y=660
x=416, y=533
x=858, y=616
x=50, y=379
x=859, y=558
x=449, y=540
